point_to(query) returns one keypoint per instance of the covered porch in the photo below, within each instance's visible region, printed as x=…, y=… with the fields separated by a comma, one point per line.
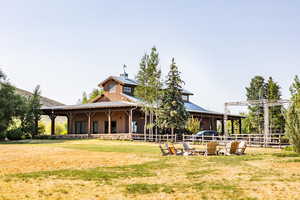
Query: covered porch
x=98, y=118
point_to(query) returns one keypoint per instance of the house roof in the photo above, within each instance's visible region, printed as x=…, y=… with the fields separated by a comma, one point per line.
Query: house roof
x=128, y=81
x=120, y=79
x=107, y=104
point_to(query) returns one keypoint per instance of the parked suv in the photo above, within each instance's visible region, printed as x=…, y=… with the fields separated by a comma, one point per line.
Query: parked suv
x=206, y=134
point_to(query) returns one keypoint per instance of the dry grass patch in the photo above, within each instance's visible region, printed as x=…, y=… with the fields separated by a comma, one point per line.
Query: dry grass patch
x=29, y=158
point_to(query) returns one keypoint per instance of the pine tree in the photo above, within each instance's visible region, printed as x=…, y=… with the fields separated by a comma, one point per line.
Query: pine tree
x=256, y=91
x=275, y=112
x=173, y=114
x=295, y=87
x=33, y=114
x=292, y=126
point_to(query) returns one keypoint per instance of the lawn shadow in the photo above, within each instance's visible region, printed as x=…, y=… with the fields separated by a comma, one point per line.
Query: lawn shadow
x=36, y=141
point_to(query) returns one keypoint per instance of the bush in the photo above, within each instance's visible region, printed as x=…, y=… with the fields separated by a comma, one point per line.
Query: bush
x=44, y=137
x=2, y=135
x=16, y=134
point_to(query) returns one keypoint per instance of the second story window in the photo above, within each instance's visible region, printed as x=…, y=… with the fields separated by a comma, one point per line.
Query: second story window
x=127, y=90
x=112, y=88
x=185, y=98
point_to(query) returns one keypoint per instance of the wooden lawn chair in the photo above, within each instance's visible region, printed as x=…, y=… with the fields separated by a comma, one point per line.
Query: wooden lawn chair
x=174, y=151
x=190, y=150
x=165, y=152
x=230, y=148
x=211, y=149
x=241, y=148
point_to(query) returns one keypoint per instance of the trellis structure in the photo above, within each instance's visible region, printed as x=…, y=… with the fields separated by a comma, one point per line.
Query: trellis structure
x=265, y=103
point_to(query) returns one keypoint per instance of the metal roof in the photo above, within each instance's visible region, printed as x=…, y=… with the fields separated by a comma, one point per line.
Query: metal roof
x=108, y=104
x=125, y=80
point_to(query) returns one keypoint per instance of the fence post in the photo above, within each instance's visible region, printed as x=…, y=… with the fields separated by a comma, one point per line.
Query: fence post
x=202, y=142
x=280, y=141
x=182, y=137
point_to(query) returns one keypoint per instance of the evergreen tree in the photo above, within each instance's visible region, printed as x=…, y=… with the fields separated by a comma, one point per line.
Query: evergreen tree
x=256, y=91
x=33, y=113
x=149, y=86
x=173, y=114
x=275, y=112
x=292, y=126
x=295, y=87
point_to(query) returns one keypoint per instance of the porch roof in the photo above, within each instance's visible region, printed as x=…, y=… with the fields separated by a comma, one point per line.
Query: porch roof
x=108, y=104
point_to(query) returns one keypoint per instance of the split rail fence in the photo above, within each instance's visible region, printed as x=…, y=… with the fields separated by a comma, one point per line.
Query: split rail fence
x=255, y=140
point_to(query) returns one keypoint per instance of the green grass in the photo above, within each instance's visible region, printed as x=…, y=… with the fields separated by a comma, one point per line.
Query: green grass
x=144, y=188
x=234, y=160
x=98, y=174
x=200, y=173
x=122, y=148
x=170, y=177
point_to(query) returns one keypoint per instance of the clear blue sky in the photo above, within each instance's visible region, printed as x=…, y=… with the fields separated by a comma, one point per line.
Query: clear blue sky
x=70, y=46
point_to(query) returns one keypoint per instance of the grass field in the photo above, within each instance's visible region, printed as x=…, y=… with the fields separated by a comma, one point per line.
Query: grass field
x=95, y=169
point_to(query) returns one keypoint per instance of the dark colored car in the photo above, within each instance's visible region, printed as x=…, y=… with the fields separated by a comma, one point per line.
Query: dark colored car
x=206, y=134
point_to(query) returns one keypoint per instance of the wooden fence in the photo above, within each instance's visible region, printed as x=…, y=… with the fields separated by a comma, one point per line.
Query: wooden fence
x=258, y=140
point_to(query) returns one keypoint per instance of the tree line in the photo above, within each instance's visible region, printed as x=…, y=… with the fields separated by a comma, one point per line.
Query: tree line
x=19, y=115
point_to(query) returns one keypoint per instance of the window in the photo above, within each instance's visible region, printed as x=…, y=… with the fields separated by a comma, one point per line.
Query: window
x=111, y=87
x=185, y=98
x=95, y=127
x=134, y=126
x=127, y=90
x=80, y=127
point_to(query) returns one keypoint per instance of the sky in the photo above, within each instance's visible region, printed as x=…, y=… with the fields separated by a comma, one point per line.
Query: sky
x=70, y=46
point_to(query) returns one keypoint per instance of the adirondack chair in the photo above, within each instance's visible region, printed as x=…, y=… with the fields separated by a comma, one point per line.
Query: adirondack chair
x=190, y=150
x=164, y=152
x=211, y=149
x=174, y=151
x=230, y=148
x=241, y=148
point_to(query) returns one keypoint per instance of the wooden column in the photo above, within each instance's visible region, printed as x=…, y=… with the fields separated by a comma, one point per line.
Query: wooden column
x=232, y=126
x=130, y=122
x=70, y=123
x=109, y=121
x=222, y=122
x=52, y=117
x=89, y=123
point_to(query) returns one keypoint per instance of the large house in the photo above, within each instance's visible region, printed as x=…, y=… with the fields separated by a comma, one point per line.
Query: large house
x=117, y=110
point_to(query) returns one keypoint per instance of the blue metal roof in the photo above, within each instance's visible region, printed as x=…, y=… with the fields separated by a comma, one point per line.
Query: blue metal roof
x=191, y=107
x=125, y=80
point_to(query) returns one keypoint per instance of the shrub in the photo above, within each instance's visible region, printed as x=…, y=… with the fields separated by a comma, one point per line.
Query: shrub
x=42, y=128
x=16, y=134
x=193, y=125
x=2, y=135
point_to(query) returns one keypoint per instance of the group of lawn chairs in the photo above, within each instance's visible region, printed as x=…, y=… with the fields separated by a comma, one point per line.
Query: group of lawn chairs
x=231, y=148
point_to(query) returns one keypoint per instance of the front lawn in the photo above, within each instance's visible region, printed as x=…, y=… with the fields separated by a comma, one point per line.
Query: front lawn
x=97, y=169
